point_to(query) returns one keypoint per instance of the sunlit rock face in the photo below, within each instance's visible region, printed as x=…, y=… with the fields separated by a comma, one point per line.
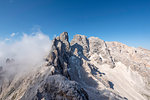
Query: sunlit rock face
x=82, y=69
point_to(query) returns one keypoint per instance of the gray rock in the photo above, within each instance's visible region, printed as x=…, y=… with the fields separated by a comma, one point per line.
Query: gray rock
x=59, y=54
x=58, y=87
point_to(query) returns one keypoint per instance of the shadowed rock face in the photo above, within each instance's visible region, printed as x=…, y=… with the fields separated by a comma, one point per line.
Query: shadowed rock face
x=84, y=69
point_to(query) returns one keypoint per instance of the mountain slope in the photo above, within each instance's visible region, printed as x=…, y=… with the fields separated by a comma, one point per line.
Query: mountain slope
x=83, y=69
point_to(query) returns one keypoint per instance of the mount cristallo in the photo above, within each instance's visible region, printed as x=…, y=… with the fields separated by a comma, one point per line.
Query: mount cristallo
x=83, y=69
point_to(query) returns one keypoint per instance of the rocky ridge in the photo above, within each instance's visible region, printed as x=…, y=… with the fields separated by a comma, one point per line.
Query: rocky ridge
x=84, y=69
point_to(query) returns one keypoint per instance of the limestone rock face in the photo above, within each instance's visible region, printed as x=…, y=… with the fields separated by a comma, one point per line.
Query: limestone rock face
x=59, y=54
x=83, y=69
x=112, y=67
x=84, y=53
x=59, y=87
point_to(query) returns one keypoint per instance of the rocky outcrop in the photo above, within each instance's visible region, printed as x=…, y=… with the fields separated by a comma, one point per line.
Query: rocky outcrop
x=58, y=87
x=60, y=54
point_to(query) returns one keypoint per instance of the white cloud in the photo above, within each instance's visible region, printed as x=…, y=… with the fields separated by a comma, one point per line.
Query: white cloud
x=7, y=39
x=13, y=34
x=28, y=52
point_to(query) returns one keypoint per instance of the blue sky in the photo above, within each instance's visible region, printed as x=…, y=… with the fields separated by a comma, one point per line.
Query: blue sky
x=126, y=21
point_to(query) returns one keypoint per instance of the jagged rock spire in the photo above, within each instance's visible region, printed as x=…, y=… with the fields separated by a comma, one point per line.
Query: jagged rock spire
x=59, y=54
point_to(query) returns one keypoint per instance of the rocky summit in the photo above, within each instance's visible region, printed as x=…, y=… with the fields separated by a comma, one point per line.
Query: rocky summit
x=83, y=69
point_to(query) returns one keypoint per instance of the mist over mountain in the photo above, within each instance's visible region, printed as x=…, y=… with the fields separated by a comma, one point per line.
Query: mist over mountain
x=24, y=54
x=36, y=68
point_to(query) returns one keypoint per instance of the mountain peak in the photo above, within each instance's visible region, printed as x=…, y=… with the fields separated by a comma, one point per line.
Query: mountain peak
x=64, y=36
x=84, y=69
